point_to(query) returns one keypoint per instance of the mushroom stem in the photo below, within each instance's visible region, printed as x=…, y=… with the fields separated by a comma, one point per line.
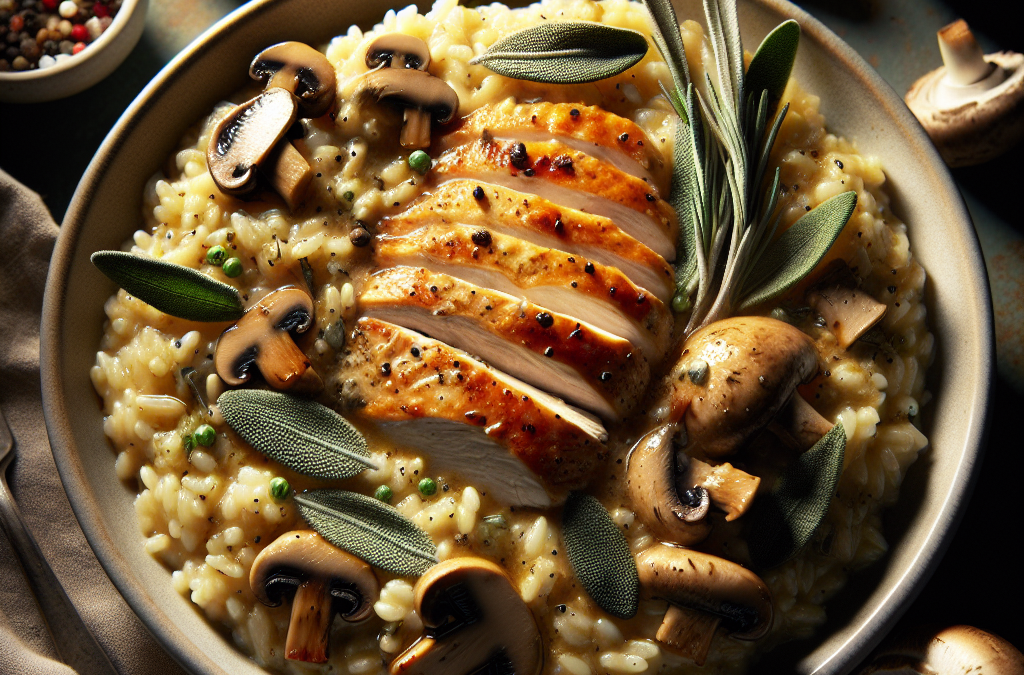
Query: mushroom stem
x=415, y=128
x=799, y=424
x=284, y=365
x=688, y=632
x=289, y=173
x=310, y=623
x=729, y=488
x=964, y=60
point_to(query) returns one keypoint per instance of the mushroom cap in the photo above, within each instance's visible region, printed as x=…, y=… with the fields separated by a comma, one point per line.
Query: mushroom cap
x=398, y=50
x=651, y=476
x=983, y=123
x=473, y=613
x=754, y=365
x=954, y=650
x=708, y=583
x=301, y=70
x=414, y=89
x=285, y=309
x=245, y=138
x=303, y=554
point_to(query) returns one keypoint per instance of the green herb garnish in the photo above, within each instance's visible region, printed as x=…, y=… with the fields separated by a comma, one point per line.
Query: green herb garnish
x=600, y=556
x=369, y=529
x=173, y=289
x=303, y=435
x=565, y=52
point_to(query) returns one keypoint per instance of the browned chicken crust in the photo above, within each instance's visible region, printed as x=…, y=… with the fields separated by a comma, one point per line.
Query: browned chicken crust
x=569, y=358
x=501, y=209
x=406, y=376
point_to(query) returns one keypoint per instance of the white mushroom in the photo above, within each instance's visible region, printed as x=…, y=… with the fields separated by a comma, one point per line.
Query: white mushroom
x=325, y=581
x=957, y=650
x=973, y=107
x=475, y=623
x=847, y=311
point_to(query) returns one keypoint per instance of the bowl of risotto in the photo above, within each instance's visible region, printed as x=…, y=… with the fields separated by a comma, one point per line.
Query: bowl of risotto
x=445, y=338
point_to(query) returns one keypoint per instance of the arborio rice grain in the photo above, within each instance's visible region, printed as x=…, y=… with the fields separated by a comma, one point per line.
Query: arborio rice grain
x=208, y=514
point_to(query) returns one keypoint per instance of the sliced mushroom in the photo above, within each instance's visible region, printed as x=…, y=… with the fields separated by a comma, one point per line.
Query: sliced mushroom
x=398, y=50
x=325, y=581
x=475, y=623
x=262, y=337
x=799, y=425
x=720, y=590
x=727, y=487
x=950, y=651
x=301, y=70
x=246, y=137
x=973, y=106
x=424, y=97
x=651, y=480
x=847, y=311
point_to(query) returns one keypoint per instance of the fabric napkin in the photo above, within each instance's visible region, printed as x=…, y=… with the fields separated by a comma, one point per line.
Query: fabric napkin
x=28, y=232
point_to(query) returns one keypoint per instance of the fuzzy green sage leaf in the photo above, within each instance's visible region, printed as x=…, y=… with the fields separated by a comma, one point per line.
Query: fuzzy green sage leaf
x=567, y=52
x=772, y=63
x=600, y=556
x=784, y=520
x=369, y=529
x=173, y=289
x=301, y=434
x=798, y=250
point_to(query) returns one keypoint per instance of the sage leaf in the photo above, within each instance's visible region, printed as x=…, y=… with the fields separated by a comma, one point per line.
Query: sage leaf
x=773, y=62
x=567, y=52
x=682, y=196
x=785, y=519
x=173, y=289
x=793, y=255
x=369, y=529
x=600, y=556
x=301, y=434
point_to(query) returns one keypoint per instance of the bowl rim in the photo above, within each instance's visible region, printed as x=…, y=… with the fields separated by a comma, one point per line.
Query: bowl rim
x=128, y=7
x=854, y=649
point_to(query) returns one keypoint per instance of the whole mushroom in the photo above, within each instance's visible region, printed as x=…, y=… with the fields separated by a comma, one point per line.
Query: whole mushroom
x=475, y=623
x=954, y=650
x=323, y=581
x=973, y=106
x=262, y=337
x=400, y=75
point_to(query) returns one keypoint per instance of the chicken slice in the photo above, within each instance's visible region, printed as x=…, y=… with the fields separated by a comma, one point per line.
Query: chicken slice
x=569, y=358
x=537, y=220
x=517, y=443
x=589, y=129
x=559, y=281
x=565, y=176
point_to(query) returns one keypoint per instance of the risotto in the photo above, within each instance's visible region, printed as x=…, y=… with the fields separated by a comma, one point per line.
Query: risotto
x=207, y=510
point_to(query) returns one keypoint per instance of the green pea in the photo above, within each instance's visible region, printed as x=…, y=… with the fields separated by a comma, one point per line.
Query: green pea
x=384, y=494
x=680, y=303
x=428, y=486
x=279, y=488
x=349, y=195
x=216, y=255
x=232, y=267
x=780, y=314
x=419, y=162
x=205, y=435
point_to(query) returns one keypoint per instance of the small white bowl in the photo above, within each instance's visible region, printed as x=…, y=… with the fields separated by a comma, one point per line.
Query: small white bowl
x=82, y=70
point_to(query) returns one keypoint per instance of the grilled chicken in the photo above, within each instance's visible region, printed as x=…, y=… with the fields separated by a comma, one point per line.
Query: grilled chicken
x=569, y=358
x=491, y=428
x=553, y=279
x=588, y=129
x=563, y=175
x=500, y=209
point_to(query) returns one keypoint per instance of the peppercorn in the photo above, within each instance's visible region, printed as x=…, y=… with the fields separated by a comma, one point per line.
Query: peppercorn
x=359, y=237
x=481, y=238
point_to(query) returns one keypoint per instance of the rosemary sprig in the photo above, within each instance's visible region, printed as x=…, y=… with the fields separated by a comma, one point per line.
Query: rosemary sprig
x=723, y=146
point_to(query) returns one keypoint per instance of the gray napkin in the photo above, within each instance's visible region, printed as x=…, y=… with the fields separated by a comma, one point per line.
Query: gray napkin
x=27, y=231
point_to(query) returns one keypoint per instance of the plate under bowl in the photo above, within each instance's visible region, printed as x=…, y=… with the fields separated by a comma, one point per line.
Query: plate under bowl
x=856, y=102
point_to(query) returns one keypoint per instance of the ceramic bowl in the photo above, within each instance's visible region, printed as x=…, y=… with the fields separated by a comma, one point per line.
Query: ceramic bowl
x=83, y=70
x=857, y=104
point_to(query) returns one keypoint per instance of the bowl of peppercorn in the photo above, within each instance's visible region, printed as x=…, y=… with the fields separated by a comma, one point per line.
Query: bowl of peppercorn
x=51, y=49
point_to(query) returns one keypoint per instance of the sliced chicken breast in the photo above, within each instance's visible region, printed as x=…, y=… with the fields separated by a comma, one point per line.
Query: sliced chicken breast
x=553, y=279
x=571, y=359
x=566, y=176
x=523, y=445
x=590, y=129
x=535, y=219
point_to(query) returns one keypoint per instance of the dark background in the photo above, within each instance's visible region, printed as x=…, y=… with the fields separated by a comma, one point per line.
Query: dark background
x=980, y=582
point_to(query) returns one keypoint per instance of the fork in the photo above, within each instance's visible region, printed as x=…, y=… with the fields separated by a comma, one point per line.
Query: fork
x=73, y=641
